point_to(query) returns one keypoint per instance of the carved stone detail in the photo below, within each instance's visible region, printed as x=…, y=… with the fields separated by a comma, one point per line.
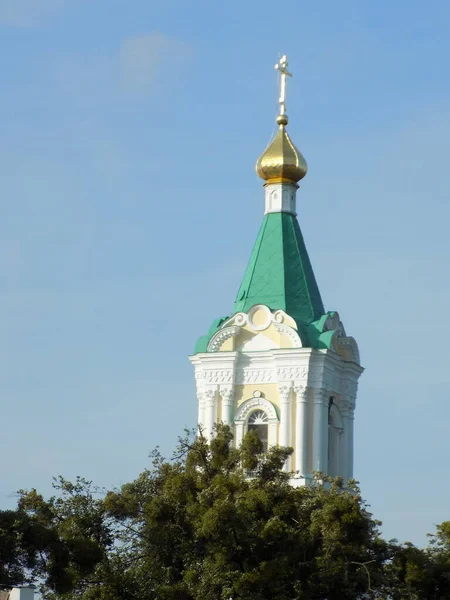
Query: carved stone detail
x=220, y=337
x=247, y=407
x=226, y=394
x=249, y=375
x=285, y=392
x=210, y=397
x=290, y=333
x=217, y=376
x=301, y=391
x=348, y=347
x=292, y=373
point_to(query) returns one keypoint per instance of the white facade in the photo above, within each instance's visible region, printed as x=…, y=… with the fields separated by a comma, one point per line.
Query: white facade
x=307, y=397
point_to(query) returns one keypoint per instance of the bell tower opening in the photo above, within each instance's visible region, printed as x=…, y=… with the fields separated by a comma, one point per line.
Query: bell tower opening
x=259, y=423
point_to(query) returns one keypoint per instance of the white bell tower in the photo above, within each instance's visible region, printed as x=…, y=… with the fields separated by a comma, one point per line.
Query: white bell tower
x=280, y=365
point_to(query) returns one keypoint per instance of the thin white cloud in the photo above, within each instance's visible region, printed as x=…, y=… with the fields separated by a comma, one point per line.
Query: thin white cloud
x=27, y=13
x=149, y=60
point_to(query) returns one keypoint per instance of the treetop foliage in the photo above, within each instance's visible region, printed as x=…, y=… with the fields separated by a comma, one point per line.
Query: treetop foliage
x=214, y=523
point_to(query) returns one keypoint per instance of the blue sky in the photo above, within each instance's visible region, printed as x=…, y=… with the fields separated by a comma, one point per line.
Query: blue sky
x=129, y=206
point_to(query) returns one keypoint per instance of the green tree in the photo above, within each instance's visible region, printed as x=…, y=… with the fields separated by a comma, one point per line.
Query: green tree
x=198, y=527
x=420, y=574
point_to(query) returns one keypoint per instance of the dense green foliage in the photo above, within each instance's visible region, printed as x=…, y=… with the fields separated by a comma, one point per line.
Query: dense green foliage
x=198, y=528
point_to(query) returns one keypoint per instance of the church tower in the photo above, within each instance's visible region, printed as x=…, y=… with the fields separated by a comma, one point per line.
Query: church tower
x=280, y=364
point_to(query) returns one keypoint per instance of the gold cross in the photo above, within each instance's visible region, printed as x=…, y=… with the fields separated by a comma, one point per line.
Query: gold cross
x=282, y=67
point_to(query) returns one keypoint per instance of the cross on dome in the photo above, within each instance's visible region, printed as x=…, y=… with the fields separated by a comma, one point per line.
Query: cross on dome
x=282, y=68
x=281, y=161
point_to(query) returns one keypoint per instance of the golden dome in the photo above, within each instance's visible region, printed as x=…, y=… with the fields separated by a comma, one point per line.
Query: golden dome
x=281, y=161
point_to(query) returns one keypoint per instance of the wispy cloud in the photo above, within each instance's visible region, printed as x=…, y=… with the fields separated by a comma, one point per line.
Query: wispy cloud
x=27, y=13
x=140, y=65
x=146, y=58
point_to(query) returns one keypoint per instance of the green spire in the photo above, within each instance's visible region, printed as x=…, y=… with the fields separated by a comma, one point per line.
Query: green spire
x=279, y=273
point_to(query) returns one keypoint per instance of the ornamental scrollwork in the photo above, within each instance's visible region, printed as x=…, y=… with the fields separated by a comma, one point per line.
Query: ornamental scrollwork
x=220, y=337
x=249, y=405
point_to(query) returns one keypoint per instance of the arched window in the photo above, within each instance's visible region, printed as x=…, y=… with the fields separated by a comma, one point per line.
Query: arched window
x=258, y=422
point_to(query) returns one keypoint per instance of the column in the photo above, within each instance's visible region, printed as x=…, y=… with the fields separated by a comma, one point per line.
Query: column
x=227, y=405
x=210, y=405
x=345, y=440
x=285, y=419
x=320, y=431
x=201, y=410
x=348, y=408
x=239, y=433
x=301, y=429
x=350, y=448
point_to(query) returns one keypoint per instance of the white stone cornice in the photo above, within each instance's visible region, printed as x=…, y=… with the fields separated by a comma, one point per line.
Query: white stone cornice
x=293, y=373
x=248, y=375
x=211, y=376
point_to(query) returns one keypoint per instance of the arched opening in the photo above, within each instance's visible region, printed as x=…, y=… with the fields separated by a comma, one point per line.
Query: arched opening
x=259, y=423
x=334, y=440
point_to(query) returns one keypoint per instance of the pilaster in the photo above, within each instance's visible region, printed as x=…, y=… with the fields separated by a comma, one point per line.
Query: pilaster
x=348, y=404
x=227, y=395
x=320, y=430
x=301, y=429
x=210, y=400
x=285, y=419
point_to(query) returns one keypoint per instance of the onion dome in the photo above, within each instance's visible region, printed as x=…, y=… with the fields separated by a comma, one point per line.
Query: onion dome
x=281, y=161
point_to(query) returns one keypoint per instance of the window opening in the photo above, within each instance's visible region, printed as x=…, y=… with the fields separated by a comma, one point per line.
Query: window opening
x=259, y=423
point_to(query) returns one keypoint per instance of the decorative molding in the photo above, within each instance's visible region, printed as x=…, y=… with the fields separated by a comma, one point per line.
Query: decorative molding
x=278, y=316
x=210, y=397
x=348, y=404
x=347, y=348
x=249, y=405
x=301, y=392
x=226, y=393
x=285, y=393
x=248, y=375
x=240, y=319
x=269, y=317
x=220, y=337
x=292, y=373
x=316, y=375
x=218, y=376
x=290, y=333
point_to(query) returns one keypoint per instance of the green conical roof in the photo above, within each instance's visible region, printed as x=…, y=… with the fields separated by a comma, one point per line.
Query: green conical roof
x=279, y=273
